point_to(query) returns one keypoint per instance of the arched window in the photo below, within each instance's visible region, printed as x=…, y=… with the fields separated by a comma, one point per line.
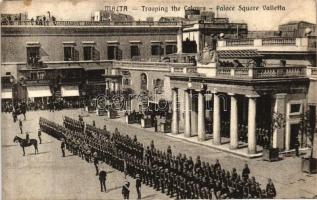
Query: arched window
x=158, y=85
x=143, y=81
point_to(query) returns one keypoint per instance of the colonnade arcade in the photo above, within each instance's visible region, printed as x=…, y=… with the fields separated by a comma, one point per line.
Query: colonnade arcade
x=209, y=114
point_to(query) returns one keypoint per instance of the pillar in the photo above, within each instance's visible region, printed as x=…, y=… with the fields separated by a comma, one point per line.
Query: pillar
x=194, y=117
x=174, y=114
x=187, y=113
x=278, y=134
x=234, y=139
x=179, y=41
x=216, y=120
x=287, y=129
x=201, y=117
x=114, y=86
x=252, y=124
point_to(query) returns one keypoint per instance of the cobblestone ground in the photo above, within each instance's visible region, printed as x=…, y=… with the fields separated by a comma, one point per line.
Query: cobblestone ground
x=50, y=176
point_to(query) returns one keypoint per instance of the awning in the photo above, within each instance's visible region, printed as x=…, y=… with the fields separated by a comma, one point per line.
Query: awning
x=70, y=91
x=6, y=94
x=39, y=91
x=238, y=54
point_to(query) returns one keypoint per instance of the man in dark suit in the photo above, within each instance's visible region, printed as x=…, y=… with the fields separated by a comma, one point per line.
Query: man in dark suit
x=102, y=179
x=126, y=190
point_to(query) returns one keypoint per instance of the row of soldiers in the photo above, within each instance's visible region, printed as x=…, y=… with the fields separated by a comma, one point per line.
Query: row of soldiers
x=177, y=176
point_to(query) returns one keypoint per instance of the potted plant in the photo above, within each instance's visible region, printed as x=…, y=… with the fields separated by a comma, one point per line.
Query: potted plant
x=269, y=152
x=307, y=127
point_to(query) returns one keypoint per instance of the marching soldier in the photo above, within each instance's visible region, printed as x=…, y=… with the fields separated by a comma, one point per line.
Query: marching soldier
x=138, y=185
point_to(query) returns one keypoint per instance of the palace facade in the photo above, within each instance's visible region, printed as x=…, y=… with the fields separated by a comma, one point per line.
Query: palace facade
x=222, y=85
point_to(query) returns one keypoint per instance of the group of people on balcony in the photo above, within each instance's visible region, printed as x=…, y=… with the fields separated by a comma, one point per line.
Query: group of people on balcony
x=233, y=64
x=43, y=20
x=39, y=20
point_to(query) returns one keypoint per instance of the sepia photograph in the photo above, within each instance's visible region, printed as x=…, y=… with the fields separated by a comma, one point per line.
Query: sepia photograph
x=158, y=99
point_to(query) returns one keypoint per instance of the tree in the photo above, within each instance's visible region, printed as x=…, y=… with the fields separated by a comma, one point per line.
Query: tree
x=306, y=128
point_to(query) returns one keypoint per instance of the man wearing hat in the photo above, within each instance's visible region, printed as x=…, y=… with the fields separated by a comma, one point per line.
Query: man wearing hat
x=138, y=185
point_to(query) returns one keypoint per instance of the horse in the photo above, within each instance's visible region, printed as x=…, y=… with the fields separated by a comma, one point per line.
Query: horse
x=23, y=143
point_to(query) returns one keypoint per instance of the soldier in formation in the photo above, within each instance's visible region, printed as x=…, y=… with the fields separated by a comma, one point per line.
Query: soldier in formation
x=178, y=176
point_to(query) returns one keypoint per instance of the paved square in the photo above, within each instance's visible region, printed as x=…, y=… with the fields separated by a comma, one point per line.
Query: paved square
x=50, y=176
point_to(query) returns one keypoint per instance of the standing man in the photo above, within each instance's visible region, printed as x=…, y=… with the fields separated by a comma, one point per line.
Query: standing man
x=297, y=144
x=39, y=134
x=102, y=179
x=138, y=185
x=126, y=190
x=21, y=126
x=63, y=147
x=96, y=162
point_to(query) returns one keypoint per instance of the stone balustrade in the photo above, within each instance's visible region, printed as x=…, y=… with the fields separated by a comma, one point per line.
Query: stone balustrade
x=269, y=44
x=311, y=71
x=261, y=73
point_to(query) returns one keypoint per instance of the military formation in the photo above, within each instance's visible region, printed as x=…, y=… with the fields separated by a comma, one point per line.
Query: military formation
x=178, y=176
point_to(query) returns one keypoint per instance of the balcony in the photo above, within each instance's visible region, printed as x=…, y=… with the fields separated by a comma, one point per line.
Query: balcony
x=244, y=73
x=262, y=73
x=312, y=72
x=184, y=70
x=97, y=81
x=153, y=66
x=274, y=44
x=38, y=82
x=71, y=81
